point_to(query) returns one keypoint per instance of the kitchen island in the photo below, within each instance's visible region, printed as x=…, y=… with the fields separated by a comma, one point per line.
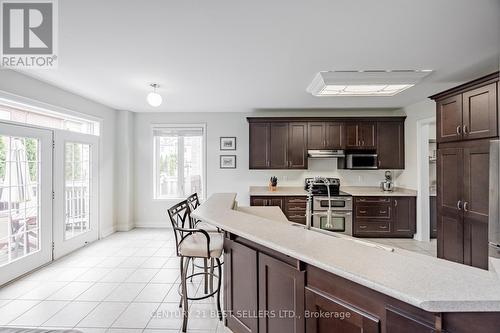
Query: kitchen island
x=280, y=277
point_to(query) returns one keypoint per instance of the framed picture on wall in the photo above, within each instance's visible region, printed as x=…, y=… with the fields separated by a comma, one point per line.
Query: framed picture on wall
x=228, y=143
x=228, y=161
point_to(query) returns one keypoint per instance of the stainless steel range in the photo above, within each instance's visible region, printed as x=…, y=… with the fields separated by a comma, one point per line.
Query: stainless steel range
x=331, y=213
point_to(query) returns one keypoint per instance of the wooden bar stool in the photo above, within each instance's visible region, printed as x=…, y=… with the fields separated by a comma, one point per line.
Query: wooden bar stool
x=192, y=243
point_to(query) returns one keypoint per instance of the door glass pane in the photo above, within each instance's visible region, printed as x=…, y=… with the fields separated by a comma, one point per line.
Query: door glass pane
x=77, y=189
x=19, y=197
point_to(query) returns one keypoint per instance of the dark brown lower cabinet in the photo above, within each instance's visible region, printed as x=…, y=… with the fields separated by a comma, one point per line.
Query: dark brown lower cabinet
x=294, y=207
x=281, y=296
x=268, y=292
x=326, y=314
x=384, y=216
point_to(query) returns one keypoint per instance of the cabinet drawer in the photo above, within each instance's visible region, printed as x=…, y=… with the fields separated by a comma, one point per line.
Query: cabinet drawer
x=296, y=203
x=379, y=212
x=375, y=200
x=372, y=226
x=297, y=218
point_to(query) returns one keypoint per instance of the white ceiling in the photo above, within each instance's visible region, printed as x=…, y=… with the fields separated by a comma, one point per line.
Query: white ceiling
x=239, y=55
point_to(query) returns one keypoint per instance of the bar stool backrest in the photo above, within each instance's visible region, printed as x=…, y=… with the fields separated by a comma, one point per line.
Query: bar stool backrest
x=193, y=203
x=180, y=217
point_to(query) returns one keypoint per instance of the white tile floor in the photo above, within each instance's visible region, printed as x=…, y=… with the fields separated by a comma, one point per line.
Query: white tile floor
x=127, y=282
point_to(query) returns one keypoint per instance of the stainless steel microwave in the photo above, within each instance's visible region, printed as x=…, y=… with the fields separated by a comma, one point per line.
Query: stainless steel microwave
x=361, y=161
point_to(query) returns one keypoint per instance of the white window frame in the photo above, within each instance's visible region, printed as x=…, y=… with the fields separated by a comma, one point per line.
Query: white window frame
x=203, y=157
x=30, y=105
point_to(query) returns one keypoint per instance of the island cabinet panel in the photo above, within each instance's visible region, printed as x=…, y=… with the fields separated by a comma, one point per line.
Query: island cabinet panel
x=281, y=296
x=240, y=287
x=260, y=282
x=399, y=321
x=268, y=201
x=391, y=145
x=327, y=314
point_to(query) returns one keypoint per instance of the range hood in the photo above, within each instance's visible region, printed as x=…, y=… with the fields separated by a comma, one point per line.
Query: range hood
x=325, y=153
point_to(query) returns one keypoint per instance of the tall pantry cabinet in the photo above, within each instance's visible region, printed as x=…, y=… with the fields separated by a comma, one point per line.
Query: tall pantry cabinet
x=466, y=121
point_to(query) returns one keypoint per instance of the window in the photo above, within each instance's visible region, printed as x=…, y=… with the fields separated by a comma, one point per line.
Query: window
x=49, y=119
x=179, y=161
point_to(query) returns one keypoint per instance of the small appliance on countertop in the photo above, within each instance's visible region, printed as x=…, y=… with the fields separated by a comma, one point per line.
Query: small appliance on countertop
x=387, y=185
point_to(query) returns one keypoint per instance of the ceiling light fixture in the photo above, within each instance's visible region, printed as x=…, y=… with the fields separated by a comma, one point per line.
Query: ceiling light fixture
x=154, y=99
x=364, y=83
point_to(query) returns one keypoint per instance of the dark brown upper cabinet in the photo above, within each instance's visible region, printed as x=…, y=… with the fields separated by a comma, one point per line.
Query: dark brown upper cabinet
x=325, y=135
x=361, y=135
x=297, y=145
x=259, y=145
x=480, y=112
x=449, y=119
x=469, y=111
x=391, y=145
x=278, y=145
x=282, y=143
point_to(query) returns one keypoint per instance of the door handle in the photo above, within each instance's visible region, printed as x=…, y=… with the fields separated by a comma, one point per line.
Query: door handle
x=362, y=211
x=395, y=202
x=465, y=206
x=465, y=129
x=459, y=204
x=459, y=130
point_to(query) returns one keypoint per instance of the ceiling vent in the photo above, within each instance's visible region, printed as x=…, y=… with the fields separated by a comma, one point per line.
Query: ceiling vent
x=364, y=83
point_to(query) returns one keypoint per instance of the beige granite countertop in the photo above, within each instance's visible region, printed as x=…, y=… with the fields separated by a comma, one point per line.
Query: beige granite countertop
x=352, y=190
x=269, y=212
x=367, y=191
x=426, y=282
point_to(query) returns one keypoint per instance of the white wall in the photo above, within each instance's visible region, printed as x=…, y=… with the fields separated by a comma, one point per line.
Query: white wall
x=149, y=212
x=21, y=85
x=415, y=112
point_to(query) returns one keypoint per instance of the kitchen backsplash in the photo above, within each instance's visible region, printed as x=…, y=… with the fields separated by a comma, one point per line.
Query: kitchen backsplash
x=327, y=168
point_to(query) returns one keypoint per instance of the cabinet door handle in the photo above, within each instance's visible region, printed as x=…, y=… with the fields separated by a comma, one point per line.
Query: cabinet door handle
x=459, y=204
x=362, y=227
x=362, y=211
x=395, y=202
x=383, y=227
x=459, y=130
x=383, y=211
x=465, y=206
x=465, y=131
x=363, y=143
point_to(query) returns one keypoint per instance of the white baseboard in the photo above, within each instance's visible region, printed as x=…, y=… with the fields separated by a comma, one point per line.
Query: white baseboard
x=108, y=231
x=161, y=225
x=124, y=227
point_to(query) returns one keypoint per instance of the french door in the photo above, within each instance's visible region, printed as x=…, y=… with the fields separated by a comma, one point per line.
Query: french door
x=25, y=199
x=75, y=191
